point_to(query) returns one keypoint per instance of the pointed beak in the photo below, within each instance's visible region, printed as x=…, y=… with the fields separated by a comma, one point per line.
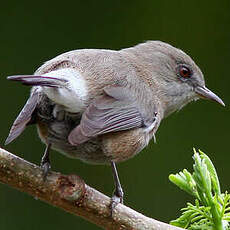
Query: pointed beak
x=208, y=94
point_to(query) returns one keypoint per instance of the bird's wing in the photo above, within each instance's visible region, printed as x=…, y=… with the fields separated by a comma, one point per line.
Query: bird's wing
x=24, y=117
x=116, y=110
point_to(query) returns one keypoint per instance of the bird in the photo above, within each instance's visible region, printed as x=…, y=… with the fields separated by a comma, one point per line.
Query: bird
x=104, y=106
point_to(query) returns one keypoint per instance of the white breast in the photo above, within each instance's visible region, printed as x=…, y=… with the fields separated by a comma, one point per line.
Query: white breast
x=73, y=95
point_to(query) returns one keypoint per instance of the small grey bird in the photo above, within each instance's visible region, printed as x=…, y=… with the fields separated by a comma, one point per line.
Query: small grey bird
x=104, y=106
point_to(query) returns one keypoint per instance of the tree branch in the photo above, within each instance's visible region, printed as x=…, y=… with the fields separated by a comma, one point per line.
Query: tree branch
x=73, y=195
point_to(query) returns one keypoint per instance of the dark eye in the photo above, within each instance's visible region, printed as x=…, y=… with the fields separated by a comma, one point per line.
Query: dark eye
x=184, y=71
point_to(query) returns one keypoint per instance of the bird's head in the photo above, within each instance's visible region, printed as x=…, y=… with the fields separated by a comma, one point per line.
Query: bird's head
x=175, y=75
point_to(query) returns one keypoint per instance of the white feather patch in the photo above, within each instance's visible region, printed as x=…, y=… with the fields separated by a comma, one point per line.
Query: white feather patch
x=73, y=95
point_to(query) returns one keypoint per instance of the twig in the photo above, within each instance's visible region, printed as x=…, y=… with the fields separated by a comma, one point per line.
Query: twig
x=73, y=195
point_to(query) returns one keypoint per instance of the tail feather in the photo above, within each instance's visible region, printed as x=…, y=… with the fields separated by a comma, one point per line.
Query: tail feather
x=24, y=117
x=34, y=80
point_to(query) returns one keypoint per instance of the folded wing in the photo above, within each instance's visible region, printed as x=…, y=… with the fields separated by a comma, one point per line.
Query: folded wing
x=114, y=111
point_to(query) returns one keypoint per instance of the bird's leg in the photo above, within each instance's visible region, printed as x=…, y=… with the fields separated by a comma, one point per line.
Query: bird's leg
x=45, y=162
x=118, y=194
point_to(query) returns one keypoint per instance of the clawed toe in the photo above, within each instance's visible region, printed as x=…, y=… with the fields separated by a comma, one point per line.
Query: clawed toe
x=46, y=168
x=115, y=200
x=45, y=162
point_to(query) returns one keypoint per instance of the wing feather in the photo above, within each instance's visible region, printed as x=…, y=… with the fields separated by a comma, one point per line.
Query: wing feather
x=112, y=112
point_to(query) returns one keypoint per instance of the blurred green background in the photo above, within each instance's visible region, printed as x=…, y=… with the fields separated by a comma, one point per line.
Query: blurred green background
x=32, y=32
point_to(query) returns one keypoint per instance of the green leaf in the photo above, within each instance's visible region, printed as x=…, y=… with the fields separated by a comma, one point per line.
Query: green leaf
x=212, y=209
x=212, y=171
x=185, y=182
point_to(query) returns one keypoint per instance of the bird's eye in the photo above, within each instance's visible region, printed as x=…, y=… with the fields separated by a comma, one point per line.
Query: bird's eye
x=184, y=71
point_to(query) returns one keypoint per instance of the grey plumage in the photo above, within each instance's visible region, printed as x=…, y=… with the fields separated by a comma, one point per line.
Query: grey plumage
x=127, y=93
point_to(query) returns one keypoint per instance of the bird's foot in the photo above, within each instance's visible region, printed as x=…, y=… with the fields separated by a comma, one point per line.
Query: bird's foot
x=46, y=166
x=118, y=193
x=117, y=198
x=45, y=162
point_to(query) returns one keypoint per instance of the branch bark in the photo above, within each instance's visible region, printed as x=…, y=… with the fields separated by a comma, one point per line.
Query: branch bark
x=69, y=192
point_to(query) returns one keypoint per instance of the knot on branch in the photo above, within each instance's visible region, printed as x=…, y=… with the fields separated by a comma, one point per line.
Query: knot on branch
x=71, y=188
